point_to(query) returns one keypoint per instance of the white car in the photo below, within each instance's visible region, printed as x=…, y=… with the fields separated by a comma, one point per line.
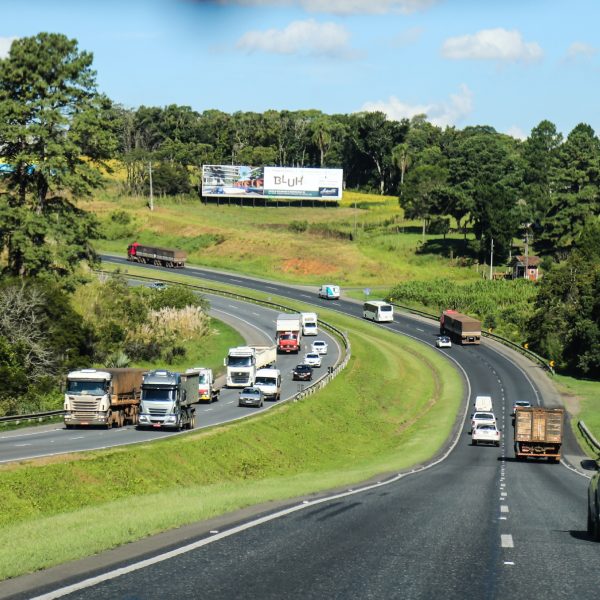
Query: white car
x=313, y=359
x=443, y=341
x=485, y=434
x=319, y=346
x=482, y=418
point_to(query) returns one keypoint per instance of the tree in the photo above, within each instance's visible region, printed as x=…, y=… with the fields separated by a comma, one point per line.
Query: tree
x=55, y=130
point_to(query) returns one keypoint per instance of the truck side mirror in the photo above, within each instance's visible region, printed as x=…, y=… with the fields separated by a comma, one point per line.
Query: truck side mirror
x=225, y=362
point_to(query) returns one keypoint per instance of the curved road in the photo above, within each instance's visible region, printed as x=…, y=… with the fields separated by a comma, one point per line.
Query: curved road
x=474, y=525
x=258, y=328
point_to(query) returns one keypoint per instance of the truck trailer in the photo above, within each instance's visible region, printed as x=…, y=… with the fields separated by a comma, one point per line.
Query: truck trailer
x=288, y=333
x=462, y=329
x=538, y=433
x=107, y=397
x=207, y=390
x=243, y=362
x=167, y=399
x=161, y=257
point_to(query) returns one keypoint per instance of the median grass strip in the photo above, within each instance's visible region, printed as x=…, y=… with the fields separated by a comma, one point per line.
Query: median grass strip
x=392, y=407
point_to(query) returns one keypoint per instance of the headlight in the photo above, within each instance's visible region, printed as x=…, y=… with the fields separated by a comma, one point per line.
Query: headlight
x=171, y=419
x=143, y=418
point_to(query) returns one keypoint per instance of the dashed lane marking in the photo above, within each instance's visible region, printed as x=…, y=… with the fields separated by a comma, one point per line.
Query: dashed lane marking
x=506, y=540
x=504, y=508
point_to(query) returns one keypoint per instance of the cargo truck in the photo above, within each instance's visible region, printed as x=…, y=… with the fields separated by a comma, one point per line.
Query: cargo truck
x=167, y=399
x=243, y=362
x=207, y=391
x=309, y=323
x=161, y=257
x=288, y=333
x=538, y=433
x=107, y=397
x=461, y=328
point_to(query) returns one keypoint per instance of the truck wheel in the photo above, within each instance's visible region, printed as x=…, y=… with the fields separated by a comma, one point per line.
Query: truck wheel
x=109, y=421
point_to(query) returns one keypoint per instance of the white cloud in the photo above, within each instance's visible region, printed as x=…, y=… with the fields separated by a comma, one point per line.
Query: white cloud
x=516, y=132
x=300, y=37
x=444, y=113
x=345, y=7
x=580, y=50
x=492, y=44
x=5, y=44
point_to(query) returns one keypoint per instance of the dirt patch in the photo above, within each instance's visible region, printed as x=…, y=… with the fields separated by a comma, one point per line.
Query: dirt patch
x=307, y=266
x=571, y=403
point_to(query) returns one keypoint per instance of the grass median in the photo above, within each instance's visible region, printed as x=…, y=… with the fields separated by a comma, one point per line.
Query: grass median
x=392, y=407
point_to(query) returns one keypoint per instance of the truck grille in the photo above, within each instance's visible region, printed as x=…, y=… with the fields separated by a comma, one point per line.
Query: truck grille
x=85, y=405
x=157, y=412
x=240, y=377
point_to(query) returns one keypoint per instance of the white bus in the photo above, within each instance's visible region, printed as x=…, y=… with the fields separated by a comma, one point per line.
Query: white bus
x=378, y=310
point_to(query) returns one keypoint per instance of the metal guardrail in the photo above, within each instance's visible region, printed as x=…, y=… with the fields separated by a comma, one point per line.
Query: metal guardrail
x=587, y=434
x=310, y=389
x=505, y=341
x=31, y=417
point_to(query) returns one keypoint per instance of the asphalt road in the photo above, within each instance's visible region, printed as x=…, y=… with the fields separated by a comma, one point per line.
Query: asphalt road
x=476, y=524
x=254, y=322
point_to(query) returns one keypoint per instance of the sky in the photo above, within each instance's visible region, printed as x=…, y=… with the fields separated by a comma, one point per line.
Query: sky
x=508, y=64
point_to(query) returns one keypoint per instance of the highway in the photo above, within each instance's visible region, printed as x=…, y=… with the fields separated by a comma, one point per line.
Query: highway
x=473, y=524
x=254, y=322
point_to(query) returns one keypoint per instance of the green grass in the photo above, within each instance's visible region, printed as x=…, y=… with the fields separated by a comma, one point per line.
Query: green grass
x=582, y=398
x=393, y=406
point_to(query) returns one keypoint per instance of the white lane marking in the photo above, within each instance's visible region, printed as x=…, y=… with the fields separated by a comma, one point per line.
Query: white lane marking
x=231, y=402
x=421, y=330
x=271, y=287
x=22, y=445
x=506, y=540
x=504, y=508
x=502, y=518
x=306, y=295
x=262, y=331
x=509, y=562
x=79, y=437
x=18, y=435
x=503, y=494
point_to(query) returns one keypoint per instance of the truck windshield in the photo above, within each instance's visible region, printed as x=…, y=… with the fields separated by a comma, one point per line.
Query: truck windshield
x=158, y=394
x=202, y=379
x=265, y=381
x=87, y=388
x=239, y=361
x=287, y=336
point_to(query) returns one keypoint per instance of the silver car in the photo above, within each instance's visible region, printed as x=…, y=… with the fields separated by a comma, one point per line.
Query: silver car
x=251, y=396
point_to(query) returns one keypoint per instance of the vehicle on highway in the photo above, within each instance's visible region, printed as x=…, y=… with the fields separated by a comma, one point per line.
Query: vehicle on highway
x=538, y=433
x=329, y=291
x=483, y=404
x=310, y=324
x=153, y=255
x=302, y=373
x=319, y=346
x=461, y=328
x=243, y=362
x=482, y=418
x=378, y=310
x=158, y=285
x=313, y=359
x=269, y=381
x=443, y=341
x=593, y=518
x=251, y=396
x=485, y=434
x=519, y=404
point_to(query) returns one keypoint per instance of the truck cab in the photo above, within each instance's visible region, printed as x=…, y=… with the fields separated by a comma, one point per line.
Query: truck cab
x=269, y=381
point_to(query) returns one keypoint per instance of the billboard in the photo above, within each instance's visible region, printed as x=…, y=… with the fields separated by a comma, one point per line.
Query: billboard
x=272, y=182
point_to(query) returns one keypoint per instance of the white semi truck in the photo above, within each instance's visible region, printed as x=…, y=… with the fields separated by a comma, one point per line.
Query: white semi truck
x=107, y=397
x=167, y=400
x=243, y=362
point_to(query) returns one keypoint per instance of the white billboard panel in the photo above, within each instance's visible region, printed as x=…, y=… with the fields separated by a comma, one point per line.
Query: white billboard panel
x=272, y=182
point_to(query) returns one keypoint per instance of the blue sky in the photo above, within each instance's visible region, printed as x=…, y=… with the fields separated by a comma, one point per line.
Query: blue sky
x=504, y=63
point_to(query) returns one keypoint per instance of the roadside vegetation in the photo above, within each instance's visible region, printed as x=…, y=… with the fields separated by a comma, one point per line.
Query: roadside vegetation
x=393, y=406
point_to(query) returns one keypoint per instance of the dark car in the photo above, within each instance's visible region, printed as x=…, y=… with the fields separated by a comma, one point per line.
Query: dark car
x=593, y=519
x=302, y=373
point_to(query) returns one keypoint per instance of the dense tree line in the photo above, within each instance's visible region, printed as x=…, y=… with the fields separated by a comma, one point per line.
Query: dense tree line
x=58, y=133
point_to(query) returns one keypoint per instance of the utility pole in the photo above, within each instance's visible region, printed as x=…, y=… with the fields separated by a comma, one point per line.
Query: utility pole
x=354, y=221
x=491, y=258
x=151, y=190
x=526, y=274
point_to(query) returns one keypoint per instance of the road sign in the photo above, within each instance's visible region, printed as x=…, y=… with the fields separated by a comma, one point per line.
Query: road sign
x=367, y=291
